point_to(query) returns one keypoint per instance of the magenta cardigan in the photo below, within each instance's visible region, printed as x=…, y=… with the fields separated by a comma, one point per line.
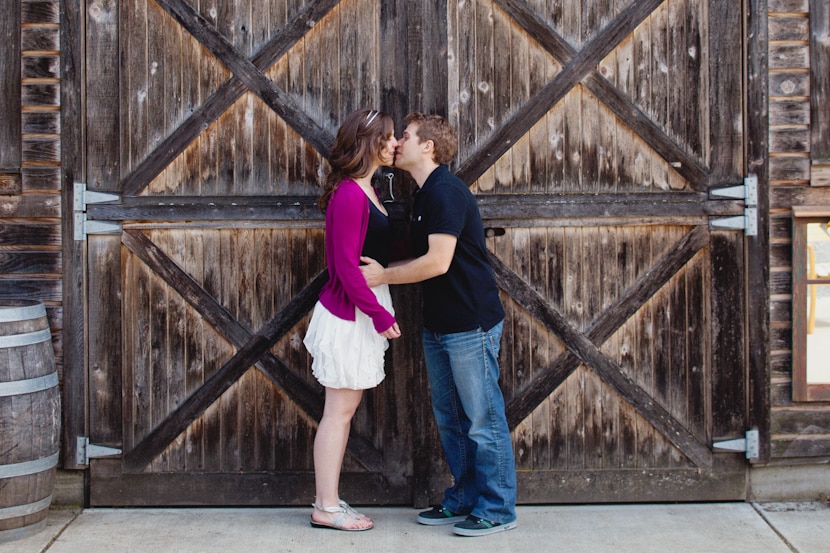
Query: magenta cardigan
x=347, y=219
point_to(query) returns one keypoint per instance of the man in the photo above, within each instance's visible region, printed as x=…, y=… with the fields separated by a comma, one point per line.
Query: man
x=463, y=319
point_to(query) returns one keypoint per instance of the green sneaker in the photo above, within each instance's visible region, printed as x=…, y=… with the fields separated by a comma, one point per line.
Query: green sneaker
x=474, y=526
x=439, y=515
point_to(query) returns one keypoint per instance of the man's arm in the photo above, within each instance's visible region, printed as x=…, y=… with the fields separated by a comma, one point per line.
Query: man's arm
x=437, y=260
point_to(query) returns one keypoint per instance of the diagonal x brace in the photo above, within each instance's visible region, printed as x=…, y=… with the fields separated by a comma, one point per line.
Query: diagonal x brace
x=585, y=347
x=232, y=370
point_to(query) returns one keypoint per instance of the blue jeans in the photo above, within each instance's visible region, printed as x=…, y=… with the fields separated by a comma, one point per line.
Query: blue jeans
x=468, y=405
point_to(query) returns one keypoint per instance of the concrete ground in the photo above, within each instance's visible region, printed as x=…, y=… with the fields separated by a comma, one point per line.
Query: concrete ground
x=676, y=528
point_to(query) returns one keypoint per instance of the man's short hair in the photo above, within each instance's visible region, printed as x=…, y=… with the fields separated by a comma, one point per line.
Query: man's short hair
x=436, y=128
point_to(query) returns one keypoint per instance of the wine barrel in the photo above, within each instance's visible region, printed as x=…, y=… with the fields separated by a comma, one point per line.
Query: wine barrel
x=29, y=418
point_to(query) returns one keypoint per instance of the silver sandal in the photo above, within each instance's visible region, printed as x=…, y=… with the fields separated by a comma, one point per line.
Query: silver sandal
x=345, y=512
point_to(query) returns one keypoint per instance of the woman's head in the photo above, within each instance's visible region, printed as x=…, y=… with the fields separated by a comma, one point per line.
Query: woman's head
x=361, y=145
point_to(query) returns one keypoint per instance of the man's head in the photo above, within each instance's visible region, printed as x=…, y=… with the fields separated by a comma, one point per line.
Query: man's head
x=426, y=135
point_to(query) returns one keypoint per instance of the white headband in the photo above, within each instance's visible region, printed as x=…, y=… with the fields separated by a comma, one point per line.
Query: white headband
x=371, y=117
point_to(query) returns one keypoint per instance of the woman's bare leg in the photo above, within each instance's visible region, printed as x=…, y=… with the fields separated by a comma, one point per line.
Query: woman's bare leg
x=329, y=449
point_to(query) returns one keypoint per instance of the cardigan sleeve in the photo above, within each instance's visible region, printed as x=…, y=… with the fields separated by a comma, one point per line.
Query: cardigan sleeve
x=346, y=222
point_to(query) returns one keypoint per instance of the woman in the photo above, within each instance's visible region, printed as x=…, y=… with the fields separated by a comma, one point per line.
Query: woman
x=348, y=332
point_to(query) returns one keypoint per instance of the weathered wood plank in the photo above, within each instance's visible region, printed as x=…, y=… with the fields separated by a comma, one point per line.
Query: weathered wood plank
x=41, y=67
x=789, y=112
x=593, y=281
x=788, y=56
x=790, y=170
x=30, y=262
x=42, y=289
x=72, y=169
x=699, y=367
x=42, y=123
x=27, y=234
x=543, y=347
x=105, y=352
x=789, y=139
x=44, y=151
x=800, y=420
x=462, y=89
x=31, y=206
x=195, y=351
x=803, y=445
x=723, y=112
x=40, y=11
x=729, y=382
x=102, y=94
x=47, y=178
x=503, y=208
x=789, y=28
x=10, y=89
x=757, y=162
x=788, y=6
x=40, y=38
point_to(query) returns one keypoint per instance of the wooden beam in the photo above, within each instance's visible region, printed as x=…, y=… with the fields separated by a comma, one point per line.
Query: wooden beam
x=517, y=208
x=756, y=140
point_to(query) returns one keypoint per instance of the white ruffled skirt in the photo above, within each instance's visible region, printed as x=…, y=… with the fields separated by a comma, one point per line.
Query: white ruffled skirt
x=347, y=354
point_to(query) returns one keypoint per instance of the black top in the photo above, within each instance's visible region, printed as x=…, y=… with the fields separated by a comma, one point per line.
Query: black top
x=466, y=297
x=378, y=236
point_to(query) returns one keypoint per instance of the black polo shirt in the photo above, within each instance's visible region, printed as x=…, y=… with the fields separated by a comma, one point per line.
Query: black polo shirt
x=466, y=297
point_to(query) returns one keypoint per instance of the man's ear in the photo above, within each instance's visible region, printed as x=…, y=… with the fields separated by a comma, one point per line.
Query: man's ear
x=428, y=146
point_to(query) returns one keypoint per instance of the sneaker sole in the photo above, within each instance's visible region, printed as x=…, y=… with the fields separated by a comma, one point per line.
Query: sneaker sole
x=485, y=532
x=441, y=521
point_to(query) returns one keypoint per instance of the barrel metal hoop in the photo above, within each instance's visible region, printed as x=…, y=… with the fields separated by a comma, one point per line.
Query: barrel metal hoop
x=29, y=385
x=29, y=467
x=22, y=312
x=27, y=339
x=23, y=510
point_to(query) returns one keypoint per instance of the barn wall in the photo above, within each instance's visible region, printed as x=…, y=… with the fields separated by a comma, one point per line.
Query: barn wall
x=30, y=192
x=800, y=432
x=30, y=201
x=30, y=174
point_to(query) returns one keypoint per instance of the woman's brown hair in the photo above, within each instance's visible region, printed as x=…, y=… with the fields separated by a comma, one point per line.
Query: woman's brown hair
x=356, y=149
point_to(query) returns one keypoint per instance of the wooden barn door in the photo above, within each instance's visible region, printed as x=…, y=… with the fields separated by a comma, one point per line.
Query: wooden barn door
x=592, y=133
x=211, y=122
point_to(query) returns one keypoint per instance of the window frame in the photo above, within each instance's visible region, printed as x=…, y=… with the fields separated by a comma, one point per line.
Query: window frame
x=802, y=389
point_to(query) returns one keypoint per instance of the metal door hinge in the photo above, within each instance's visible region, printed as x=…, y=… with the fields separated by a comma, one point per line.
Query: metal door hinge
x=80, y=199
x=748, y=192
x=86, y=451
x=749, y=444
